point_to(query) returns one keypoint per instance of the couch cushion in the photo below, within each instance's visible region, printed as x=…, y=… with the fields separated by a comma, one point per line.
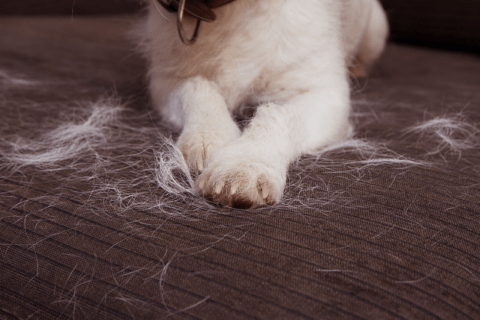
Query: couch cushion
x=385, y=227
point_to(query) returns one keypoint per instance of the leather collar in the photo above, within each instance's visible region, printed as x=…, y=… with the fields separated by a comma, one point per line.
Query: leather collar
x=200, y=9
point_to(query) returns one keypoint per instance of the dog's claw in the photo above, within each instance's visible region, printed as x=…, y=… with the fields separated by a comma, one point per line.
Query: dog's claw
x=201, y=184
x=218, y=188
x=265, y=192
x=234, y=189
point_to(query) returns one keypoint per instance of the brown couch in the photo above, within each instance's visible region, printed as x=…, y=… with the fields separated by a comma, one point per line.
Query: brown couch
x=384, y=231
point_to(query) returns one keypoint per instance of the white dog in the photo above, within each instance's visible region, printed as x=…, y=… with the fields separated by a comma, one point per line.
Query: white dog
x=290, y=58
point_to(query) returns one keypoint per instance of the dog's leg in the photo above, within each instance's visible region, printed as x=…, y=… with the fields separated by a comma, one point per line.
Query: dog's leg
x=373, y=42
x=252, y=170
x=207, y=123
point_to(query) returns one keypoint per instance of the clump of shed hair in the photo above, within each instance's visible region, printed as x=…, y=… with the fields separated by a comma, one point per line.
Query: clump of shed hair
x=131, y=163
x=446, y=135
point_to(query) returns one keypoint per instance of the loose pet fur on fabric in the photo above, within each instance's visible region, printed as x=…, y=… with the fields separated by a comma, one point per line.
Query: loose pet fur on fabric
x=100, y=217
x=291, y=59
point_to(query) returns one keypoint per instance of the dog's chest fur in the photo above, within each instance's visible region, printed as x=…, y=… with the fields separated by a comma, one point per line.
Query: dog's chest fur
x=252, y=47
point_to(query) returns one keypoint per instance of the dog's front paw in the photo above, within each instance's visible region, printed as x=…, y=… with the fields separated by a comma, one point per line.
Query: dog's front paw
x=241, y=181
x=198, y=146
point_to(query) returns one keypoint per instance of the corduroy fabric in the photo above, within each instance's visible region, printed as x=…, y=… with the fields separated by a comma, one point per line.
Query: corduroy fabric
x=395, y=244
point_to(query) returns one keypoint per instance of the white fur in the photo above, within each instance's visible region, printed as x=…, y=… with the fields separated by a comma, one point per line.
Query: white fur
x=288, y=57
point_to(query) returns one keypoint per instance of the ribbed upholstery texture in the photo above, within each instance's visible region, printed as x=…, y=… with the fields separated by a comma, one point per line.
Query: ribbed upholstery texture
x=387, y=242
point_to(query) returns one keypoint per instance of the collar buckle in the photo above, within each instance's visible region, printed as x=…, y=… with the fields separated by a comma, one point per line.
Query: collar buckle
x=179, y=7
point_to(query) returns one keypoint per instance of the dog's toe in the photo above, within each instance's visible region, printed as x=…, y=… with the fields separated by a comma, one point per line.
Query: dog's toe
x=198, y=147
x=242, y=183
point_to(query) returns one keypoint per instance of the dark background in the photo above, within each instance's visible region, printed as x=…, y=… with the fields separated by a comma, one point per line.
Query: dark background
x=58, y=7
x=452, y=24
